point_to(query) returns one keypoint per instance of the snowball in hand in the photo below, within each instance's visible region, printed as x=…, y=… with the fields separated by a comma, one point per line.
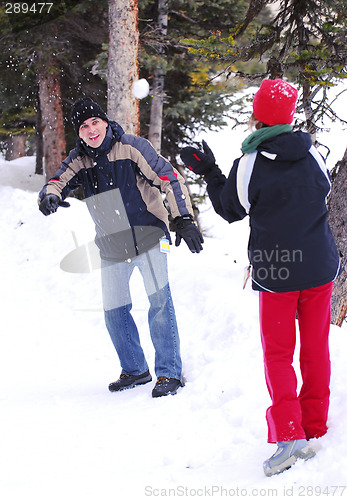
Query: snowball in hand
x=141, y=88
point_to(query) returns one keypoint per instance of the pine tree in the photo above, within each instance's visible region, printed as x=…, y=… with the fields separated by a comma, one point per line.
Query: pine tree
x=190, y=103
x=180, y=84
x=53, y=57
x=305, y=40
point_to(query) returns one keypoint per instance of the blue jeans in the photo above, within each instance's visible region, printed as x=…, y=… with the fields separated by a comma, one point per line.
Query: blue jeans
x=161, y=314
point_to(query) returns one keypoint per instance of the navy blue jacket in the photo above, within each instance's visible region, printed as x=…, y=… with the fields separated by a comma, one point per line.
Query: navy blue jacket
x=283, y=188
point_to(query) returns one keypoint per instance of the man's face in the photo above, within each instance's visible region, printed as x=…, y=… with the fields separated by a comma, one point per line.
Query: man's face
x=93, y=131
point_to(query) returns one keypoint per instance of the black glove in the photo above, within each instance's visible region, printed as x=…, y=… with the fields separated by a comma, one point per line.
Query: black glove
x=50, y=203
x=199, y=162
x=186, y=229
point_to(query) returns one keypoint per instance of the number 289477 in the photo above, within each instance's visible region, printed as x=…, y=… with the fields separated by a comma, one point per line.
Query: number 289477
x=26, y=8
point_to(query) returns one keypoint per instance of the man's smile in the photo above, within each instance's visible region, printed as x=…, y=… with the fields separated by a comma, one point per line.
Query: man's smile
x=94, y=137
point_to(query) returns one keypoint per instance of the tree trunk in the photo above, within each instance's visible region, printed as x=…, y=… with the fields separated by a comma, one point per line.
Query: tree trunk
x=15, y=147
x=122, y=67
x=338, y=223
x=39, y=142
x=156, y=118
x=53, y=133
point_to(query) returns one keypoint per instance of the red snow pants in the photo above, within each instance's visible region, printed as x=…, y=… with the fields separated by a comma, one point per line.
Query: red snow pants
x=291, y=415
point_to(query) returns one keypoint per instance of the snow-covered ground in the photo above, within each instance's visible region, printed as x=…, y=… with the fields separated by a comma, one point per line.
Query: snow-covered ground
x=64, y=435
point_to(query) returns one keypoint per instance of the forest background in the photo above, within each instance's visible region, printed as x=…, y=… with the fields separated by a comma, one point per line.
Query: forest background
x=195, y=55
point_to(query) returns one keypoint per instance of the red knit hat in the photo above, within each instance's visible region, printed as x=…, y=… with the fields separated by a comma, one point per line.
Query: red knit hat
x=275, y=102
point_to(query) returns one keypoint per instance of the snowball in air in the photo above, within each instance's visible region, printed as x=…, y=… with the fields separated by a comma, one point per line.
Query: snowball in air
x=141, y=88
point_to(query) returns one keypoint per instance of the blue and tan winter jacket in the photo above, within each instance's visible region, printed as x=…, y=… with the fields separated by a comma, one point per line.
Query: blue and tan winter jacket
x=282, y=186
x=123, y=181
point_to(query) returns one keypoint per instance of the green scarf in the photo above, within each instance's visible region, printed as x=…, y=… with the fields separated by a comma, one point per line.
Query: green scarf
x=251, y=143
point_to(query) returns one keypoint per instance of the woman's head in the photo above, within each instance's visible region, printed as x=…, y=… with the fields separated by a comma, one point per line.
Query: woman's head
x=274, y=103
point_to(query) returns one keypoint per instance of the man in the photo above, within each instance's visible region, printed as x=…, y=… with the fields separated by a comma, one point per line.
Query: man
x=123, y=179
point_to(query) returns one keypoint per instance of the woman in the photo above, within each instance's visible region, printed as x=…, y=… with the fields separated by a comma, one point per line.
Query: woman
x=281, y=182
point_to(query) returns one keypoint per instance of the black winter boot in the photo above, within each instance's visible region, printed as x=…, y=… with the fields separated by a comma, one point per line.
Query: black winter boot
x=126, y=381
x=165, y=386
